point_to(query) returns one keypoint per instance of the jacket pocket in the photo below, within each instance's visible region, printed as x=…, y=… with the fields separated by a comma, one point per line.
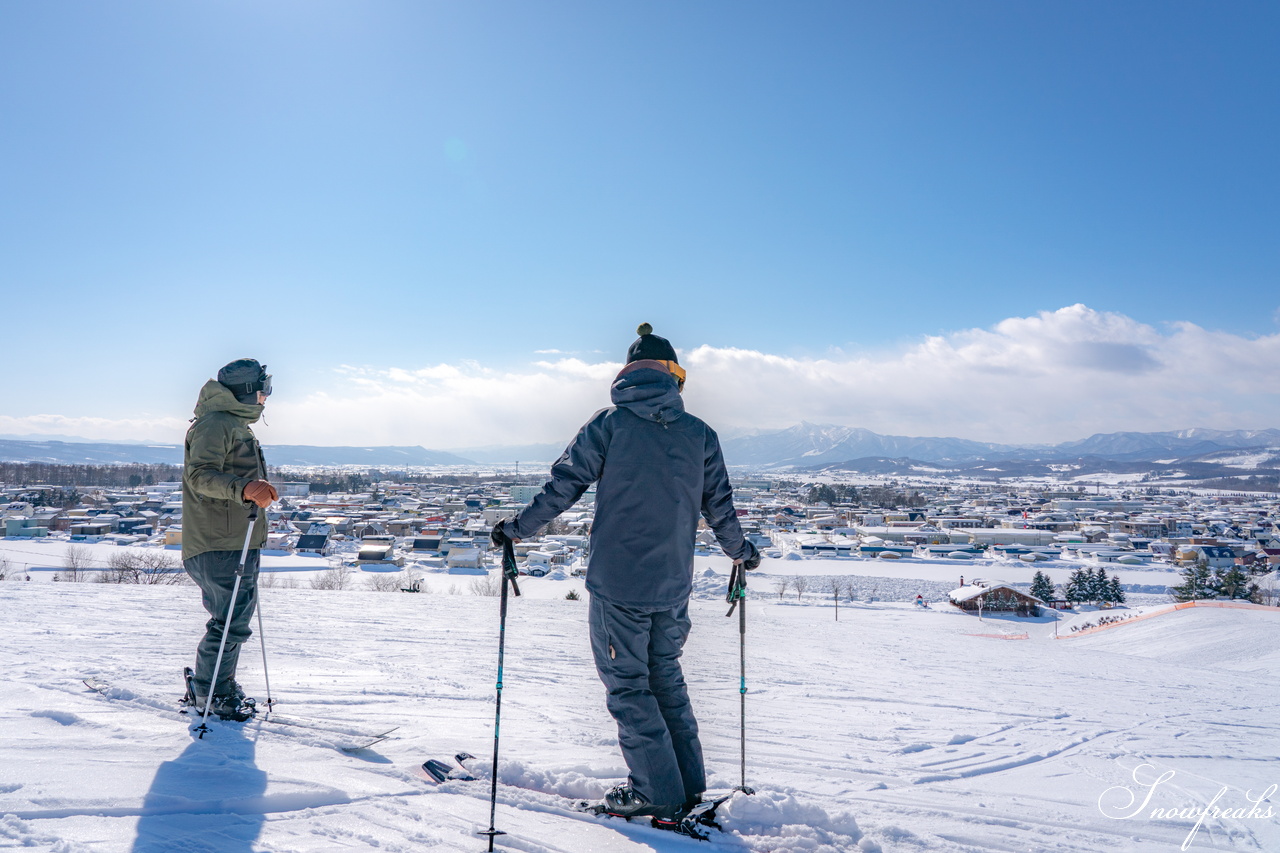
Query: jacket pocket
x=225, y=525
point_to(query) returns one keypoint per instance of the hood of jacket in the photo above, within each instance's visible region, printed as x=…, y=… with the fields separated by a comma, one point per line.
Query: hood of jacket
x=648, y=392
x=216, y=397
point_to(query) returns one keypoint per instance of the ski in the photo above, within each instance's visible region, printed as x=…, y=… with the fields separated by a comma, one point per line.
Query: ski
x=360, y=740
x=690, y=824
x=364, y=741
x=693, y=824
x=351, y=740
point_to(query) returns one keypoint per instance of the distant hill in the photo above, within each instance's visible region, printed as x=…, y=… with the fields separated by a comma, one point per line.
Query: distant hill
x=1190, y=454
x=302, y=454
x=83, y=453
x=807, y=444
x=509, y=454
x=1153, y=445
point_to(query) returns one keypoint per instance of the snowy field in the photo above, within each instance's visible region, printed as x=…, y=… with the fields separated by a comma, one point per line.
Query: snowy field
x=871, y=579
x=892, y=728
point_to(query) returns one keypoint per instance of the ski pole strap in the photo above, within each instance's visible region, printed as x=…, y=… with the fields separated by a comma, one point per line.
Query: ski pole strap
x=737, y=587
x=509, y=564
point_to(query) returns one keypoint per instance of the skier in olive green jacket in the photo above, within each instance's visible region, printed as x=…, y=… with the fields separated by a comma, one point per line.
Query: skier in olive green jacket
x=223, y=474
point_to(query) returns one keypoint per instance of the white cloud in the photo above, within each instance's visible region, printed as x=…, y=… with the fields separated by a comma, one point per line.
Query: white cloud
x=1059, y=375
x=441, y=406
x=168, y=430
x=1056, y=376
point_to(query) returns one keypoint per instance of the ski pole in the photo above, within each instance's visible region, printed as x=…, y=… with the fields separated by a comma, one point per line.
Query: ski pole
x=737, y=599
x=508, y=577
x=226, y=626
x=263, y=639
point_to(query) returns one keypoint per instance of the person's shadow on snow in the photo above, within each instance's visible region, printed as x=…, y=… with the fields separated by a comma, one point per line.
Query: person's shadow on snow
x=210, y=798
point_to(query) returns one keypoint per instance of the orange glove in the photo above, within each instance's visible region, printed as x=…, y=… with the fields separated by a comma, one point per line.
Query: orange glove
x=260, y=492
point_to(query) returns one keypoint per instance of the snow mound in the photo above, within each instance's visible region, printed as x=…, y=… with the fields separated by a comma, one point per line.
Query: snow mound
x=571, y=782
x=23, y=834
x=778, y=822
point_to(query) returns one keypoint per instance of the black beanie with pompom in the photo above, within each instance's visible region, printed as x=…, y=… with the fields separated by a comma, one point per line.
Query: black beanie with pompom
x=650, y=346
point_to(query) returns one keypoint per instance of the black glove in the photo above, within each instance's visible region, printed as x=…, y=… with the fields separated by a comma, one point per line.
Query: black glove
x=752, y=560
x=498, y=536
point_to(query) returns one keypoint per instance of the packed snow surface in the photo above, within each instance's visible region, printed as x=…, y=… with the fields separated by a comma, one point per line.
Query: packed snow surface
x=894, y=728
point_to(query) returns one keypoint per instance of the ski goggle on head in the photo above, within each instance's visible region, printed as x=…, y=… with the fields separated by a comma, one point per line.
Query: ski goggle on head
x=676, y=370
x=261, y=385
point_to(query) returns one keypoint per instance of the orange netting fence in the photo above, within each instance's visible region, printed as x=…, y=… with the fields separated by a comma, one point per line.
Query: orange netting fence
x=1231, y=605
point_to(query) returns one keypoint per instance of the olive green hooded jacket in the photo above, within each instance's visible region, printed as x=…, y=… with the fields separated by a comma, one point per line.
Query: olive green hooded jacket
x=221, y=457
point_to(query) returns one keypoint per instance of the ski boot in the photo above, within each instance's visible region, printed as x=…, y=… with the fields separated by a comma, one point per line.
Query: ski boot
x=232, y=705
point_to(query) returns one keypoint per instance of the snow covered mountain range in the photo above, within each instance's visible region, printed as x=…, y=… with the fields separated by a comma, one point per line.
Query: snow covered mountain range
x=803, y=446
x=807, y=445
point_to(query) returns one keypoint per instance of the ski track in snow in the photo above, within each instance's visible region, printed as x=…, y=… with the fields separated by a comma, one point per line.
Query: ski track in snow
x=891, y=729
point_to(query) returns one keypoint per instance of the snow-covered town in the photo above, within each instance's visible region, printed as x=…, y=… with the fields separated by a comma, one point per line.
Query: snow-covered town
x=886, y=709
x=1151, y=542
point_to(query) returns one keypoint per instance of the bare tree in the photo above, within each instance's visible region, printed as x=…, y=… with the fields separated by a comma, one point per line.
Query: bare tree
x=781, y=585
x=487, y=585
x=836, y=586
x=272, y=580
x=385, y=581
x=1267, y=591
x=800, y=584
x=849, y=586
x=334, y=578
x=143, y=567
x=4, y=567
x=76, y=563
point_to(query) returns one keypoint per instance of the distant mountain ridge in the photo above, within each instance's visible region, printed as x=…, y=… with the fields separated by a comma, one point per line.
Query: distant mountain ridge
x=83, y=453
x=804, y=446
x=807, y=445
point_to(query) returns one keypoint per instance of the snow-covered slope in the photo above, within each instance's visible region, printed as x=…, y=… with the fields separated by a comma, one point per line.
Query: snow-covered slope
x=892, y=728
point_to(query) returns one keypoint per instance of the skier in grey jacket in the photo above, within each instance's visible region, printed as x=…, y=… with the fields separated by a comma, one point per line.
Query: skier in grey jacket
x=658, y=469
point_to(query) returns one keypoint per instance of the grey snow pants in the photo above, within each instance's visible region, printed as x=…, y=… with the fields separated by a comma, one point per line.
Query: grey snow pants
x=215, y=573
x=637, y=653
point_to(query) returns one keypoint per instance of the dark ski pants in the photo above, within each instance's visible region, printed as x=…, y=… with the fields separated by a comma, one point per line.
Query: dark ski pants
x=637, y=653
x=215, y=573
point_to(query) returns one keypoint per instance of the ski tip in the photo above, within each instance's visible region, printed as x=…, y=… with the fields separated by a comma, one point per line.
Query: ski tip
x=435, y=770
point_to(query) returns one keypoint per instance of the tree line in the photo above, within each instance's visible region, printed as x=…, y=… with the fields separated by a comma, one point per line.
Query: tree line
x=107, y=476
x=869, y=495
x=1084, y=586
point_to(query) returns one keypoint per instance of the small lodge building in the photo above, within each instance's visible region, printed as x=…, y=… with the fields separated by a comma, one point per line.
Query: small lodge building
x=995, y=597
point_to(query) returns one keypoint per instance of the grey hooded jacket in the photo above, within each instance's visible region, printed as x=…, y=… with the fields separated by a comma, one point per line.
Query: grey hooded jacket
x=658, y=468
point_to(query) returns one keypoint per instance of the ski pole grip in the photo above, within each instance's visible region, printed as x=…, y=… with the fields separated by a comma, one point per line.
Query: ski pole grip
x=509, y=564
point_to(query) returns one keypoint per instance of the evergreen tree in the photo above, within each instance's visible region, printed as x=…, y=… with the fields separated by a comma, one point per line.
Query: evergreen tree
x=1042, y=587
x=1197, y=582
x=1100, y=588
x=1234, y=584
x=1117, y=591
x=1076, y=587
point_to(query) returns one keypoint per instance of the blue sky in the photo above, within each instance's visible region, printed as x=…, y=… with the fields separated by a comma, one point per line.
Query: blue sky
x=373, y=196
